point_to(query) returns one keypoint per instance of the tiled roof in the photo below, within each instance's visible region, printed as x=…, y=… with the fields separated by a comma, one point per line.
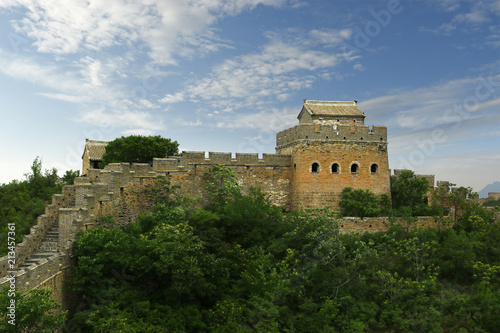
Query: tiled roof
x=331, y=108
x=95, y=149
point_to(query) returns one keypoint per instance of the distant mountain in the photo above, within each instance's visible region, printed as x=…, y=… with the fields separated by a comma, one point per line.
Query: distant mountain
x=493, y=187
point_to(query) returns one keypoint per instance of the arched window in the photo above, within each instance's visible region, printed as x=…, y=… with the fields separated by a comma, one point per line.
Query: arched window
x=374, y=168
x=354, y=168
x=315, y=167
x=335, y=168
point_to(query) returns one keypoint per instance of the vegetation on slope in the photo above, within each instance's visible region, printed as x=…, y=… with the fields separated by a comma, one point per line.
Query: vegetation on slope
x=22, y=201
x=241, y=265
x=31, y=312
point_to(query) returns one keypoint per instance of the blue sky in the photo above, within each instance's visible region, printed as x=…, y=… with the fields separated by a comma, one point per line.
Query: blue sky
x=220, y=75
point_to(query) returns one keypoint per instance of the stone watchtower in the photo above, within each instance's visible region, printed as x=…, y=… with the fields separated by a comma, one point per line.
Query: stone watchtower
x=331, y=149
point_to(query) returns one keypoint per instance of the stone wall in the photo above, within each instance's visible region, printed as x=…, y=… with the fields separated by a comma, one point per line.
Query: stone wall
x=323, y=186
x=493, y=195
x=377, y=224
x=119, y=191
x=44, y=222
x=328, y=133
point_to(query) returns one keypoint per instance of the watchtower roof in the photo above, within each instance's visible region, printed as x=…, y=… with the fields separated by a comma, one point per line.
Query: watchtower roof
x=332, y=108
x=95, y=149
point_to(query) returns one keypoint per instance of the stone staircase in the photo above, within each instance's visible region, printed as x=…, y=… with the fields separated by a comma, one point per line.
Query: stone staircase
x=47, y=248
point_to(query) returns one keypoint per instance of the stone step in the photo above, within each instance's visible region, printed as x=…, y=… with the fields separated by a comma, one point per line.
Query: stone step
x=47, y=246
x=42, y=255
x=30, y=262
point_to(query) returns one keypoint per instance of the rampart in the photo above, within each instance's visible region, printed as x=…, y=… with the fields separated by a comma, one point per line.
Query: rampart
x=32, y=241
x=118, y=190
x=331, y=133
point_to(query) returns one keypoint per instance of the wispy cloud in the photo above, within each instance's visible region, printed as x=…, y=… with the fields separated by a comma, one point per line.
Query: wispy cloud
x=173, y=98
x=123, y=118
x=94, y=52
x=443, y=115
x=270, y=120
x=470, y=15
x=282, y=66
x=167, y=27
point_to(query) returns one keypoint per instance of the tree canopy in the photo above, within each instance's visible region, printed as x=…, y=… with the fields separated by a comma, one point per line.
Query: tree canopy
x=34, y=311
x=363, y=203
x=138, y=149
x=241, y=265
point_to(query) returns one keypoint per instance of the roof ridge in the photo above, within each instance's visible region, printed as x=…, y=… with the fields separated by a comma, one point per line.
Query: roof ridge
x=330, y=102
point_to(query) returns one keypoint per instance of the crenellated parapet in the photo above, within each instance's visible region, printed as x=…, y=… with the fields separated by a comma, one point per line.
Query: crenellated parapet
x=331, y=132
x=190, y=158
x=119, y=174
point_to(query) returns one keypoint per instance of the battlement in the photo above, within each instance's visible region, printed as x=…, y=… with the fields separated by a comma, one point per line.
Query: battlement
x=183, y=164
x=329, y=131
x=190, y=158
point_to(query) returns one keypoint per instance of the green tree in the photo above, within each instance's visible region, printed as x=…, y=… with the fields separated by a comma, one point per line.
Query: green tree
x=221, y=185
x=138, y=149
x=362, y=203
x=69, y=177
x=34, y=311
x=408, y=190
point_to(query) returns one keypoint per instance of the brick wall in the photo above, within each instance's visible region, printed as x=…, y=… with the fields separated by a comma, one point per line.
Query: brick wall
x=315, y=189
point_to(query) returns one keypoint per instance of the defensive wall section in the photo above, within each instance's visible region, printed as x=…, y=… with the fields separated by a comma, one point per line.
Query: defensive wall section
x=118, y=191
x=32, y=241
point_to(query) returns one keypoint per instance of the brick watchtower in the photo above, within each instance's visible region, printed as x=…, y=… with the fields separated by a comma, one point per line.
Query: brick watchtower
x=331, y=148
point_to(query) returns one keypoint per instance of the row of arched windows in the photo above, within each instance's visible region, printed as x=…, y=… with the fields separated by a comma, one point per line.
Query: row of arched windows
x=335, y=167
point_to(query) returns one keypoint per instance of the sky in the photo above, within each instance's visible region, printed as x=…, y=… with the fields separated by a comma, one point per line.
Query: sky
x=226, y=75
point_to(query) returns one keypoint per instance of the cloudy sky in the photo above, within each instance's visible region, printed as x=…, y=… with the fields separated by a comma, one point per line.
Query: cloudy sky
x=225, y=75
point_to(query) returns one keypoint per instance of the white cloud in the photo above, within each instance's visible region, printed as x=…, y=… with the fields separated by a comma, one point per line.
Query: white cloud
x=139, y=120
x=173, y=98
x=66, y=98
x=25, y=68
x=269, y=120
x=167, y=27
x=358, y=67
x=94, y=50
x=330, y=37
x=271, y=74
x=426, y=124
x=147, y=104
x=138, y=131
x=439, y=104
x=477, y=14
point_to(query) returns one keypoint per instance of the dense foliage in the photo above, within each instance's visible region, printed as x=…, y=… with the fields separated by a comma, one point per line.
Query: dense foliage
x=22, y=201
x=240, y=265
x=363, y=203
x=409, y=196
x=32, y=311
x=492, y=203
x=138, y=149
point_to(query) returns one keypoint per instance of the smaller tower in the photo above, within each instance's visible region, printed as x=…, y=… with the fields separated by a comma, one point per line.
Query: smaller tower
x=92, y=154
x=331, y=149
